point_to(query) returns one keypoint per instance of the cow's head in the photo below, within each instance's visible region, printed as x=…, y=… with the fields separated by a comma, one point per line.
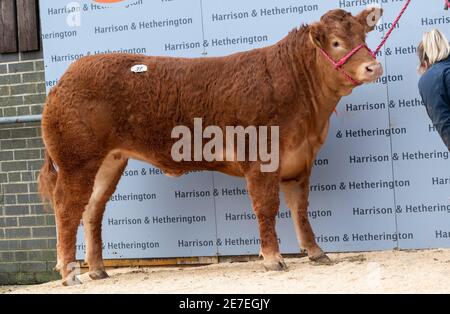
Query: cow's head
x=338, y=33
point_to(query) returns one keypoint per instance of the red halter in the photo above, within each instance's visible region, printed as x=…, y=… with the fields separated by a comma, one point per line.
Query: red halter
x=447, y=4
x=338, y=65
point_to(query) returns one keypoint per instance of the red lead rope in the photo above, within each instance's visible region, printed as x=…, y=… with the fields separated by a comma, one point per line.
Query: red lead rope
x=447, y=4
x=394, y=25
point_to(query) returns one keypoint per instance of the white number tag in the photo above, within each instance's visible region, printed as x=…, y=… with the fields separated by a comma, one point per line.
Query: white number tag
x=140, y=68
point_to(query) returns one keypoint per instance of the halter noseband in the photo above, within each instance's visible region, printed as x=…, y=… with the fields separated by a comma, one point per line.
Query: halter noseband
x=338, y=65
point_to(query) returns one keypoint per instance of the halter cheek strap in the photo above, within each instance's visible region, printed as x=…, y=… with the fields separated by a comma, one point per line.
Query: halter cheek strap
x=338, y=65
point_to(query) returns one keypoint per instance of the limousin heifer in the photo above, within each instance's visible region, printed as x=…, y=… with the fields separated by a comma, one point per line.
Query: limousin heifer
x=100, y=114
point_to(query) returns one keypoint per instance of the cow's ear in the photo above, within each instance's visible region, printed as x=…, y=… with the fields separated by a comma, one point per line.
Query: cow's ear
x=317, y=35
x=369, y=18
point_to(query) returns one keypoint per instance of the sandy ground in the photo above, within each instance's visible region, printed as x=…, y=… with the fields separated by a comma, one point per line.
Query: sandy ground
x=378, y=272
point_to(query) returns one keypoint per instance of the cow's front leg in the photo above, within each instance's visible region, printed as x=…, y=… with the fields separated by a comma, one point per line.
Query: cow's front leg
x=296, y=194
x=264, y=193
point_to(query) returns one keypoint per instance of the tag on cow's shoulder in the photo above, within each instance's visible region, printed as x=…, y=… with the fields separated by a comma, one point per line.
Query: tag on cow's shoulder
x=139, y=68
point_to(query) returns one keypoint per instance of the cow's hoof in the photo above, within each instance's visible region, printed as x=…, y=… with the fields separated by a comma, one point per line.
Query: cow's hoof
x=321, y=259
x=98, y=275
x=73, y=281
x=278, y=265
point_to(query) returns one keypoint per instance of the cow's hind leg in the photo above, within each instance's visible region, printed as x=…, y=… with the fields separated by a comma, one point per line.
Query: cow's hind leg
x=264, y=192
x=296, y=194
x=72, y=192
x=105, y=184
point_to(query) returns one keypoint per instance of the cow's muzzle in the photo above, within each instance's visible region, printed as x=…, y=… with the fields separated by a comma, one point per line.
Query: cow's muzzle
x=371, y=72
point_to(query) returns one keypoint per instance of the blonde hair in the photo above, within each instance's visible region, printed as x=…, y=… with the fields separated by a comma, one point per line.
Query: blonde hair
x=433, y=48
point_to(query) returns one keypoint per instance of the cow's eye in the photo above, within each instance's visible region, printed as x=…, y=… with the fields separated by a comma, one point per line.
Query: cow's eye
x=336, y=44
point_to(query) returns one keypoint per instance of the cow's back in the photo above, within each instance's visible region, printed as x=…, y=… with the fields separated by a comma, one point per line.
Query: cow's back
x=188, y=86
x=99, y=98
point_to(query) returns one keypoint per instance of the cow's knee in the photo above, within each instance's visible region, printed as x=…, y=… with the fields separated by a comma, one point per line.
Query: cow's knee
x=264, y=193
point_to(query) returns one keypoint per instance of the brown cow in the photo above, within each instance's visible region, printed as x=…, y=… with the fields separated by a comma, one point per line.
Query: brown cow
x=101, y=114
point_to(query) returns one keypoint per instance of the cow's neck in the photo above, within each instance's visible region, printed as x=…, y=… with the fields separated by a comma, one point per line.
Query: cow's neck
x=313, y=81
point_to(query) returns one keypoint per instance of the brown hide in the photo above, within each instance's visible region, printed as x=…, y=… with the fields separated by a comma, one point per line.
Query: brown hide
x=102, y=113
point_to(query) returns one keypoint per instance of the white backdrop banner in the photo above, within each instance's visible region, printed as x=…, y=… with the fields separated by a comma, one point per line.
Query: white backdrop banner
x=380, y=182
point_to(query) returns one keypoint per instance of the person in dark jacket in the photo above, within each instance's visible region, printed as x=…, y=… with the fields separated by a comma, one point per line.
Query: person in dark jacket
x=434, y=85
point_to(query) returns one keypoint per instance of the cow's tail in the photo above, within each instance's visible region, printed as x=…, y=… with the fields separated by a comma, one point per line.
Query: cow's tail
x=47, y=180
